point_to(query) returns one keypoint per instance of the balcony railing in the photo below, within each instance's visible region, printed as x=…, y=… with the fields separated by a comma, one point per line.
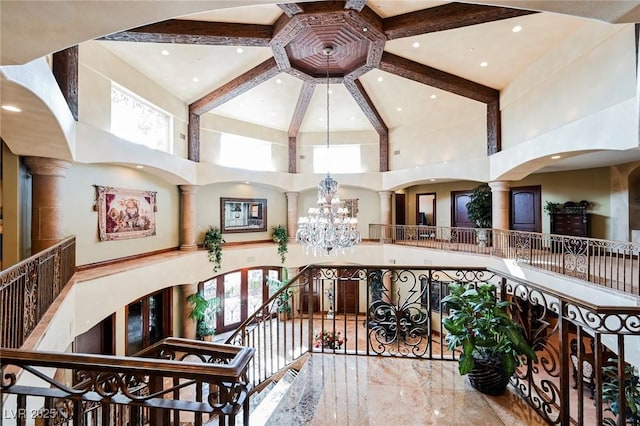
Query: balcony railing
x=611, y=264
x=28, y=289
x=397, y=312
x=175, y=381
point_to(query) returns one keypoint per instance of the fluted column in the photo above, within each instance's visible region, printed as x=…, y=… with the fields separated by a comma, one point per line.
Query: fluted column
x=500, y=204
x=188, y=325
x=188, y=217
x=47, y=218
x=292, y=215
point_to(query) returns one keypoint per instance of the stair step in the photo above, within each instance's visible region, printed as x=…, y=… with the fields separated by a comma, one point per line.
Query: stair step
x=272, y=398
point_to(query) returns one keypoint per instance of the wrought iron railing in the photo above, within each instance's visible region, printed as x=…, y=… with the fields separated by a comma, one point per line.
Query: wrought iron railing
x=175, y=381
x=611, y=264
x=399, y=314
x=28, y=288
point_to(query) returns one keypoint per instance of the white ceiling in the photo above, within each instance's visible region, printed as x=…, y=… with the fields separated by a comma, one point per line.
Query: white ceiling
x=272, y=103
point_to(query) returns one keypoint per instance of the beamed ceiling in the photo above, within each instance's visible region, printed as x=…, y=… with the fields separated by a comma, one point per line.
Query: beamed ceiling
x=380, y=77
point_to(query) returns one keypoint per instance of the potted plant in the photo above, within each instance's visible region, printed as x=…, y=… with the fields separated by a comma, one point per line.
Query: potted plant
x=279, y=235
x=204, y=312
x=479, y=211
x=611, y=392
x=491, y=343
x=213, y=243
x=550, y=207
x=284, y=300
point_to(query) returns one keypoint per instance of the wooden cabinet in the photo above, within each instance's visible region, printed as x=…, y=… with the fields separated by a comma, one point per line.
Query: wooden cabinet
x=576, y=225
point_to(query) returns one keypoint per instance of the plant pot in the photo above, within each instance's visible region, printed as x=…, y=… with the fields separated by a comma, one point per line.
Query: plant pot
x=284, y=316
x=488, y=376
x=482, y=236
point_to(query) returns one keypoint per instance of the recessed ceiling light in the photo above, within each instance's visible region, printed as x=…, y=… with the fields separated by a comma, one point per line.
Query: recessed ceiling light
x=517, y=28
x=365, y=29
x=195, y=79
x=352, y=118
x=321, y=119
x=416, y=44
x=329, y=91
x=399, y=109
x=239, y=50
x=445, y=162
x=484, y=64
x=555, y=157
x=278, y=81
x=432, y=180
x=433, y=96
x=380, y=78
x=11, y=108
x=247, y=182
x=139, y=166
x=165, y=52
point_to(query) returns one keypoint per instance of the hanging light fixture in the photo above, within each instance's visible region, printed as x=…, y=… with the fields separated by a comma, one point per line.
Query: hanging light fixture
x=328, y=228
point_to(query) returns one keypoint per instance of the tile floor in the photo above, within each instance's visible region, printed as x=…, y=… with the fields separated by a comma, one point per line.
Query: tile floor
x=359, y=390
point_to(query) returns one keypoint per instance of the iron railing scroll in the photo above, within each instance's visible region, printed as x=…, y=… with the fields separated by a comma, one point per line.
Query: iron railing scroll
x=175, y=381
x=28, y=289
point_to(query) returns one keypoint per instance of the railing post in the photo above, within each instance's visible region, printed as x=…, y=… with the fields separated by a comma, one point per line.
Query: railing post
x=565, y=414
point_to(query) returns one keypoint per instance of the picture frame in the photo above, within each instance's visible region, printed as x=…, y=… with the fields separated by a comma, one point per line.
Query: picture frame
x=125, y=213
x=243, y=214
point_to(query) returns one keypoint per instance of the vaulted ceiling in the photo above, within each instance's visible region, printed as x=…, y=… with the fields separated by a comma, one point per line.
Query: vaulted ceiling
x=394, y=61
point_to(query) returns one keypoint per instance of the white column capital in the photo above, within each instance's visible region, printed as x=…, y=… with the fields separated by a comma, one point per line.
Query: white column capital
x=500, y=185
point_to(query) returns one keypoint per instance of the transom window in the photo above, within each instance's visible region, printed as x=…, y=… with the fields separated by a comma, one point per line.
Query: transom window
x=336, y=159
x=138, y=121
x=245, y=153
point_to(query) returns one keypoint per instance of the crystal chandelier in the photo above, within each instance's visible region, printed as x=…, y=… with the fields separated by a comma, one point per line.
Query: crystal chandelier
x=328, y=228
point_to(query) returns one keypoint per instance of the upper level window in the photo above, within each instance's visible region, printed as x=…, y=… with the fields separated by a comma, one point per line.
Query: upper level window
x=138, y=121
x=336, y=159
x=245, y=153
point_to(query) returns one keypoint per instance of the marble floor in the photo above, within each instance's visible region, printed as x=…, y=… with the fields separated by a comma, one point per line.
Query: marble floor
x=359, y=390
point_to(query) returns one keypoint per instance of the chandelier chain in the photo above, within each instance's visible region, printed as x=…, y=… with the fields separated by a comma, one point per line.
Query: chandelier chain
x=329, y=227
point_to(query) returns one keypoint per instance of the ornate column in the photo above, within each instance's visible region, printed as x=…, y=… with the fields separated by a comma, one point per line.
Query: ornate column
x=188, y=217
x=188, y=325
x=47, y=201
x=500, y=204
x=292, y=215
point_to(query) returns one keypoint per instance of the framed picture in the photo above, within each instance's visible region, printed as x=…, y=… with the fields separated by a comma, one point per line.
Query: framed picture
x=243, y=215
x=125, y=213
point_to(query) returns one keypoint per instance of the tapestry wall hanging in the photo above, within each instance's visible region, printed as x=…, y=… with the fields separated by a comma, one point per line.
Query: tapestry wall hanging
x=125, y=213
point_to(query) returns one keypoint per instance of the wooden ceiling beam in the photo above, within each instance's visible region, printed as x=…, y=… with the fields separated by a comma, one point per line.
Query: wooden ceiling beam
x=356, y=5
x=184, y=31
x=445, y=17
x=291, y=9
x=366, y=105
x=239, y=85
x=436, y=78
x=304, y=99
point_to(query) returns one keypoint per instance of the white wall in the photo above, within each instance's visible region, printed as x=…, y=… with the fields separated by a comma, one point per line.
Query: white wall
x=81, y=220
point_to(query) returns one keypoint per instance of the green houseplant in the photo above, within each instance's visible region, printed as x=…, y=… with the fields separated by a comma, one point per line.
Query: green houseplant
x=479, y=206
x=479, y=212
x=284, y=300
x=491, y=343
x=279, y=235
x=611, y=392
x=213, y=243
x=204, y=312
x=550, y=207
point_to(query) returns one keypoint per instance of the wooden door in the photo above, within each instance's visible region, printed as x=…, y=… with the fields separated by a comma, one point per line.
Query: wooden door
x=347, y=299
x=400, y=209
x=525, y=209
x=459, y=215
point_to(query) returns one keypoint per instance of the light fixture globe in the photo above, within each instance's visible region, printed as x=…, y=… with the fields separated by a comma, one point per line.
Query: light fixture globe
x=328, y=228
